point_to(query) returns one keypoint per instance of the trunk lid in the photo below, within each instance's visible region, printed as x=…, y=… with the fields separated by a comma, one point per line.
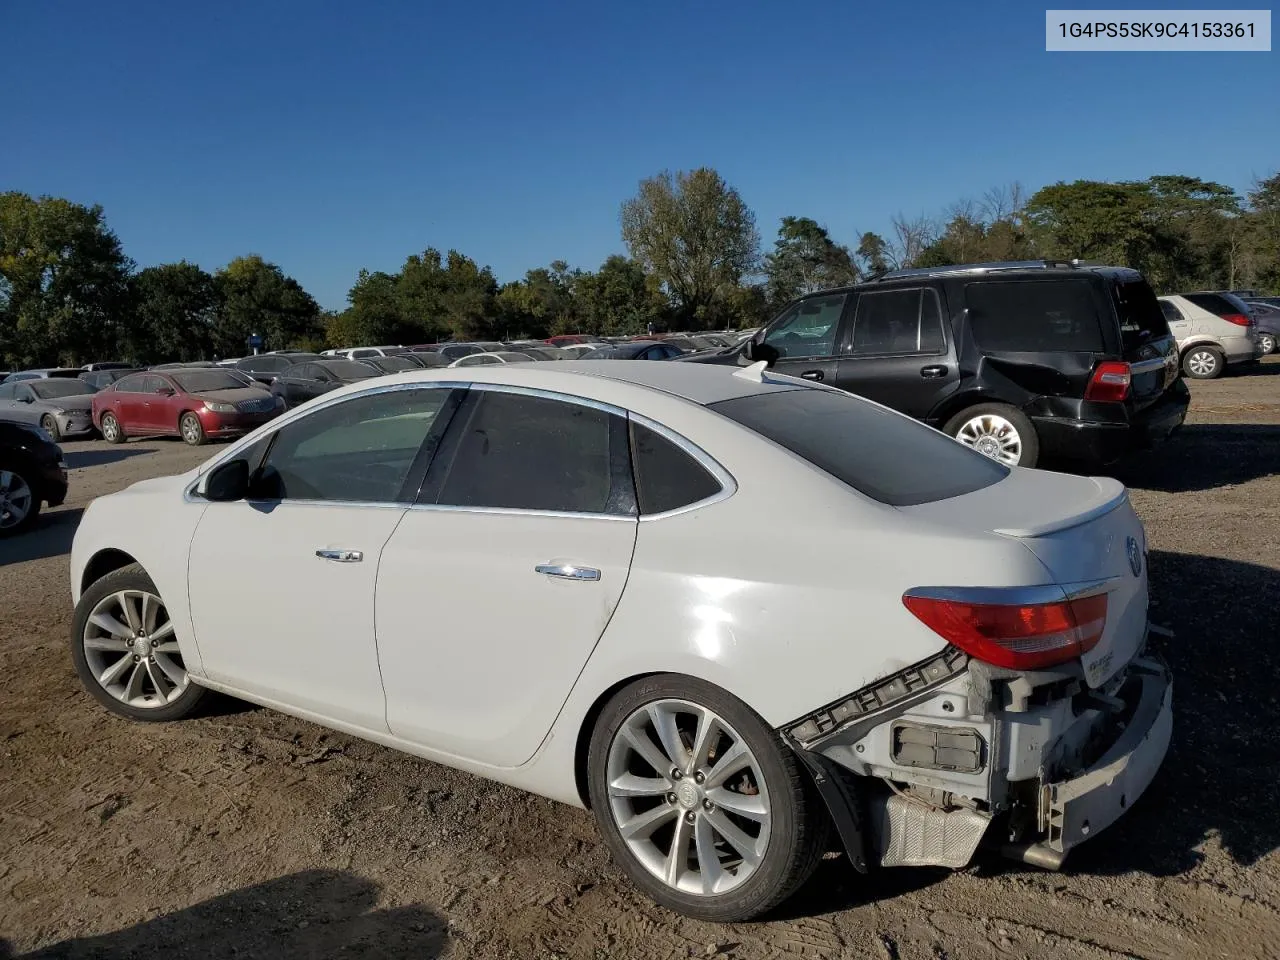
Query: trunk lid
x=1084, y=532
x=1146, y=342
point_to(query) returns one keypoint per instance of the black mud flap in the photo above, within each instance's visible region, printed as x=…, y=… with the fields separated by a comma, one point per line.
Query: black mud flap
x=841, y=801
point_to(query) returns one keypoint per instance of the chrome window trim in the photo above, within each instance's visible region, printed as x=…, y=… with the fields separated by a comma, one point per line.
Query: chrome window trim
x=520, y=512
x=728, y=485
x=189, y=494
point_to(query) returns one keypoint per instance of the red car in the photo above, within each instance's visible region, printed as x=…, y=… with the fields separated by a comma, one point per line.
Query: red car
x=195, y=404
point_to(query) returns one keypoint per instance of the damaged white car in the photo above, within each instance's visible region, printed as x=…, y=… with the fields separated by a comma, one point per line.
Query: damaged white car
x=728, y=612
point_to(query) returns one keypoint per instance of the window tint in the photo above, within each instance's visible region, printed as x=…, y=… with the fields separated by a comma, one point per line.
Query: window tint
x=264, y=364
x=898, y=321
x=131, y=384
x=53, y=389
x=203, y=381
x=1170, y=311
x=152, y=384
x=25, y=392
x=1215, y=303
x=357, y=450
x=534, y=453
x=667, y=478
x=1141, y=317
x=349, y=369
x=848, y=438
x=809, y=328
x=6, y=391
x=1034, y=316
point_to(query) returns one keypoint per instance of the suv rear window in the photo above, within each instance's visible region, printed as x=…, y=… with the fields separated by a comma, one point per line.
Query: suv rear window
x=846, y=436
x=1142, y=317
x=1034, y=316
x=1213, y=302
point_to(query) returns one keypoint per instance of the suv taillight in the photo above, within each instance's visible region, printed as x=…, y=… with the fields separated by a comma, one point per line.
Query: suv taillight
x=1017, y=637
x=1239, y=319
x=1110, y=381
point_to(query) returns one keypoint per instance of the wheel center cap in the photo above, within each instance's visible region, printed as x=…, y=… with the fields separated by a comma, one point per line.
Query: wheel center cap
x=988, y=445
x=687, y=794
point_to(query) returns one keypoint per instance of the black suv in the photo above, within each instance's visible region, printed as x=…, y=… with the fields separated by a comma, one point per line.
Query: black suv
x=1022, y=361
x=31, y=473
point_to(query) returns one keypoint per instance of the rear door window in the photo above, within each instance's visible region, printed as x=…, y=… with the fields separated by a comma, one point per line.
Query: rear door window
x=1170, y=310
x=896, y=322
x=1035, y=316
x=1215, y=303
x=846, y=436
x=667, y=477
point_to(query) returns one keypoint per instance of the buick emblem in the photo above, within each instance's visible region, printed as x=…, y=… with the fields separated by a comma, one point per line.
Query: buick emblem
x=1135, y=556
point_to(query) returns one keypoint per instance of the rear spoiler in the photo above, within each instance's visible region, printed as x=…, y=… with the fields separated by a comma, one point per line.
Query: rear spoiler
x=1111, y=494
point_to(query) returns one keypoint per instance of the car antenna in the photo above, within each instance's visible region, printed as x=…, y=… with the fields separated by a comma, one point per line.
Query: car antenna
x=754, y=372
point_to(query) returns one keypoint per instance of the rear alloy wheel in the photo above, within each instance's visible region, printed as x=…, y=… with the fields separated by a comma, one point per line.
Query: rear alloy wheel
x=19, y=504
x=111, y=429
x=191, y=429
x=125, y=650
x=998, y=431
x=700, y=802
x=1203, y=363
x=1266, y=343
x=49, y=424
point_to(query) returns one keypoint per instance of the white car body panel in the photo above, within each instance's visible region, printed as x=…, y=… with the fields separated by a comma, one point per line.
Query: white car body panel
x=1200, y=326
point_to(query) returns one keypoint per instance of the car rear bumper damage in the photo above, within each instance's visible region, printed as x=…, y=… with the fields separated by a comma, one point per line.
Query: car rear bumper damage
x=1105, y=442
x=915, y=768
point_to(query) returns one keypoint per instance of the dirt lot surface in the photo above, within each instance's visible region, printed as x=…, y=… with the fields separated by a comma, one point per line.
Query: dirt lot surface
x=249, y=834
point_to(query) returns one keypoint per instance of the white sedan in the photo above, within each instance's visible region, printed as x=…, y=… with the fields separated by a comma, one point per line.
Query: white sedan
x=726, y=611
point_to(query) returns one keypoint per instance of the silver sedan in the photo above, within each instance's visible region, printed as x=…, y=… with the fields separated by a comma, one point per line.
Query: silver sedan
x=61, y=406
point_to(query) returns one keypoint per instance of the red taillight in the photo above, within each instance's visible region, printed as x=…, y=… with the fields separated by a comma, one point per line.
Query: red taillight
x=1110, y=381
x=1239, y=319
x=1024, y=637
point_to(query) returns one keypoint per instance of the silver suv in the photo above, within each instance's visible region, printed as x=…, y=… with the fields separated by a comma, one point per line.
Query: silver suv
x=1213, y=330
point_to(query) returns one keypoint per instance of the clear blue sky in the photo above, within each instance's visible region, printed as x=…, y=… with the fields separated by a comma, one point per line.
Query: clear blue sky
x=330, y=136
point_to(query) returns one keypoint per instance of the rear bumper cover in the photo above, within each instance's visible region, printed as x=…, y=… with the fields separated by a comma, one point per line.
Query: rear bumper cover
x=1105, y=442
x=1077, y=809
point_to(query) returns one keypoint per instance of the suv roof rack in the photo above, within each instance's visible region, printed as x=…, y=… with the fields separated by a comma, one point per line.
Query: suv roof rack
x=993, y=267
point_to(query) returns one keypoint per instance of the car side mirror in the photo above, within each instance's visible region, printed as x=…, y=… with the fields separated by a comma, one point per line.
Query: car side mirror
x=166, y=391
x=228, y=482
x=26, y=398
x=755, y=352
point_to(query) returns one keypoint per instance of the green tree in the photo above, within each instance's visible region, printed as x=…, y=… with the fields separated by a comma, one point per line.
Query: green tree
x=874, y=253
x=258, y=297
x=805, y=259
x=376, y=314
x=696, y=235
x=447, y=296
x=175, y=314
x=63, y=282
x=1263, y=241
x=544, y=302
x=1110, y=222
x=620, y=298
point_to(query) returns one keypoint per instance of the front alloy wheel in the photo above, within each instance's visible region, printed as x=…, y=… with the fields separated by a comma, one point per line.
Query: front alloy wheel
x=18, y=503
x=701, y=803
x=1266, y=343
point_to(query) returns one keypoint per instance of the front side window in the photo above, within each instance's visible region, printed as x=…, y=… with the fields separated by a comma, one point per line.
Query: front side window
x=898, y=322
x=357, y=450
x=847, y=437
x=6, y=391
x=667, y=478
x=809, y=328
x=1035, y=316
x=521, y=452
x=131, y=385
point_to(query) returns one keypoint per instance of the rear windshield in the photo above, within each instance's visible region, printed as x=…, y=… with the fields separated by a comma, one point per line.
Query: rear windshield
x=882, y=454
x=1213, y=302
x=1035, y=316
x=1141, y=317
x=349, y=369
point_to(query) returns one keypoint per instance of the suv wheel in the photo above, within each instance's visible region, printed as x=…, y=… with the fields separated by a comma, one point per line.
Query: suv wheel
x=1203, y=363
x=998, y=431
x=19, y=500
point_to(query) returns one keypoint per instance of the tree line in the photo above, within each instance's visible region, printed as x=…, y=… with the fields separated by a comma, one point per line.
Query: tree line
x=694, y=260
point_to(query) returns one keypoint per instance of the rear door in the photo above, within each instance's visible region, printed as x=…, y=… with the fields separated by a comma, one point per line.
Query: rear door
x=896, y=351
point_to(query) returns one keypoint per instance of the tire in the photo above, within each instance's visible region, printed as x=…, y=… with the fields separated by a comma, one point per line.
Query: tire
x=20, y=499
x=112, y=432
x=787, y=807
x=191, y=429
x=49, y=423
x=97, y=651
x=1204, y=363
x=1267, y=343
x=998, y=431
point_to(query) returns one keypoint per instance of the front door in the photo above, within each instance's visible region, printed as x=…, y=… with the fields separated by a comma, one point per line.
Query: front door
x=806, y=336
x=493, y=592
x=896, y=351
x=282, y=584
x=159, y=413
x=20, y=404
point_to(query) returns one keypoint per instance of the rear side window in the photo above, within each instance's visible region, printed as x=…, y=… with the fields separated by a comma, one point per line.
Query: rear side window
x=1171, y=312
x=898, y=322
x=1213, y=302
x=535, y=453
x=1035, y=316
x=667, y=478
x=1141, y=317
x=847, y=437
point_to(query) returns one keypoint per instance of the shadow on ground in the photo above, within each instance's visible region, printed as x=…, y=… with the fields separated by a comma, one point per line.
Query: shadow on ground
x=77, y=459
x=317, y=913
x=50, y=537
x=1202, y=456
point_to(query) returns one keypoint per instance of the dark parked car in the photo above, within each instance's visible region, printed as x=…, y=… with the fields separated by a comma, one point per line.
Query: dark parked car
x=105, y=377
x=195, y=404
x=305, y=381
x=31, y=474
x=427, y=361
x=1019, y=360
x=1267, y=317
x=265, y=367
x=44, y=373
x=392, y=364
x=456, y=351
x=635, y=350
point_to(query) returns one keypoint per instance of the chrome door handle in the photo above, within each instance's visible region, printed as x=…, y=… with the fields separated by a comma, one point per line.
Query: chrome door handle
x=342, y=556
x=812, y=375
x=567, y=571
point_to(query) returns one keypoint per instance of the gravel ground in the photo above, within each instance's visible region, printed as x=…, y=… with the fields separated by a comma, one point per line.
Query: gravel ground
x=249, y=834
